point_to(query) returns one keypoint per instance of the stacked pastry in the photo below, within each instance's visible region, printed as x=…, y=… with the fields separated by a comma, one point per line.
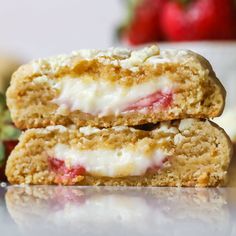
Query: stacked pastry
x=119, y=117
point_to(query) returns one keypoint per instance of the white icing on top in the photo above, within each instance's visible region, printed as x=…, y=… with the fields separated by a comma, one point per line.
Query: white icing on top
x=166, y=128
x=178, y=139
x=89, y=54
x=49, y=129
x=122, y=57
x=87, y=130
x=170, y=56
x=99, y=97
x=138, y=57
x=186, y=124
x=107, y=162
x=42, y=79
x=122, y=128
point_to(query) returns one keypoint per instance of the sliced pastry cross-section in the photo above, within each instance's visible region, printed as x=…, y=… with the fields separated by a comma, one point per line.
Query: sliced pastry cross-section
x=114, y=87
x=189, y=152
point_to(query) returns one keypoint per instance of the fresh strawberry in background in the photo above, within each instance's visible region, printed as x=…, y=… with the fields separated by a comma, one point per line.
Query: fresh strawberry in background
x=184, y=20
x=5, y=149
x=143, y=22
x=8, y=136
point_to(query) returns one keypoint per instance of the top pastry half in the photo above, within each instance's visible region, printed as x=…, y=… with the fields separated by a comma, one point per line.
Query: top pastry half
x=111, y=87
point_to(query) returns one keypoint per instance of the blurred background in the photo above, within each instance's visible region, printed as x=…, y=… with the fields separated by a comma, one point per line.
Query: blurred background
x=34, y=29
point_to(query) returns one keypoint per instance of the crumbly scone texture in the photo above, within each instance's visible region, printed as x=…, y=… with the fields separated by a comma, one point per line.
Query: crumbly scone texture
x=198, y=93
x=201, y=154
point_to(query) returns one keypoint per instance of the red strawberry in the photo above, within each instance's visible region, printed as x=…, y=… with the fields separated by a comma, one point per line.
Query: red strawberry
x=9, y=146
x=199, y=20
x=159, y=98
x=5, y=149
x=2, y=173
x=8, y=135
x=226, y=24
x=145, y=24
x=64, y=173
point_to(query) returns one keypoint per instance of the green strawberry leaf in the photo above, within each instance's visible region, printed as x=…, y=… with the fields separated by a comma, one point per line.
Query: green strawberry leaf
x=6, y=117
x=184, y=2
x=130, y=6
x=9, y=132
x=2, y=102
x=7, y=129
x=2, y=154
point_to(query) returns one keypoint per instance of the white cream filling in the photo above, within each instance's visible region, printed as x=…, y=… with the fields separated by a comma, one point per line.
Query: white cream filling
x=112, y=163
x=104, y=98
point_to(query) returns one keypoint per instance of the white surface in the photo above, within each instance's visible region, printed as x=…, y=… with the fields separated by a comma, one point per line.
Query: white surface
x=45, y=210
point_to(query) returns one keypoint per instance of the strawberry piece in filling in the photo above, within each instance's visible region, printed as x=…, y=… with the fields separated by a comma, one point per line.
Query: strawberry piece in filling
x=155, y=168
x=65, y=173
x=159, y=98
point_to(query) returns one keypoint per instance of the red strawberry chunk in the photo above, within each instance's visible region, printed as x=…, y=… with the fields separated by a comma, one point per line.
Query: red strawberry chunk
x=159, y=98
x=9, y=146
x=155, y=168
x=59, y=167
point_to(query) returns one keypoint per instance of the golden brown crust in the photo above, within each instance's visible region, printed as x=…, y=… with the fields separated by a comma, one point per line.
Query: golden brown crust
x=201, y=155
x=199, y=93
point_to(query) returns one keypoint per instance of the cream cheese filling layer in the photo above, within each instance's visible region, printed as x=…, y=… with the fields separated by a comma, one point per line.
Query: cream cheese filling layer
x=100, y=97
x=111, y=163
